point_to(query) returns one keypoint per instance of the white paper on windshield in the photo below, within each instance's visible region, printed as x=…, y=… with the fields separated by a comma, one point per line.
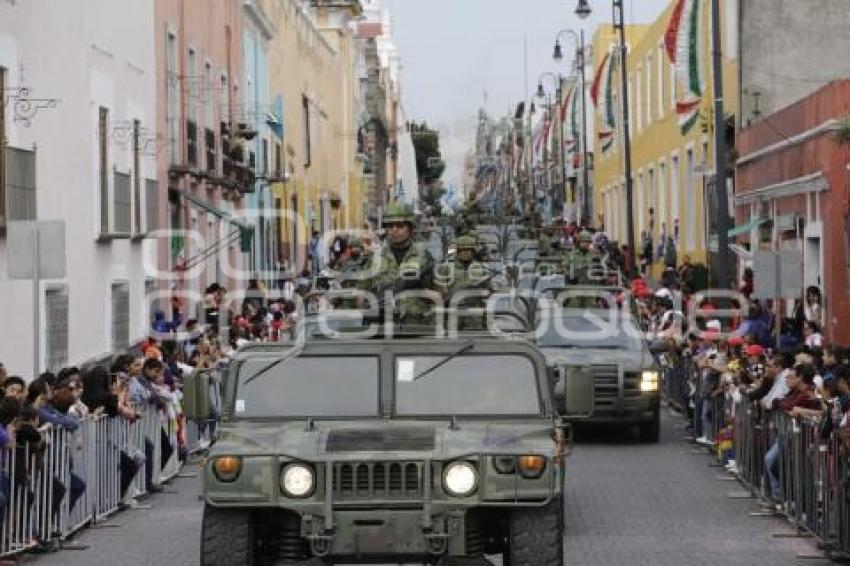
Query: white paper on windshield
x=406, y=370
x=240, y=405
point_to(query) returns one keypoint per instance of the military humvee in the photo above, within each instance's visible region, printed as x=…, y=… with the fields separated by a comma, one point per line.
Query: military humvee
x=384, y=450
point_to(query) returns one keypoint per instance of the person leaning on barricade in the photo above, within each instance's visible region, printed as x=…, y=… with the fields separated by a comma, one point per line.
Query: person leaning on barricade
x=799, y=401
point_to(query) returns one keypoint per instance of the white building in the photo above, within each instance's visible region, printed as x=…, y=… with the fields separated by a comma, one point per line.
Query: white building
x=94, y=168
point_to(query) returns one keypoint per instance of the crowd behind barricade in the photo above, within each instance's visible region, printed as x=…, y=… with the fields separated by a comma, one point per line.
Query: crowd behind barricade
x=769, y=398
x=83, y=442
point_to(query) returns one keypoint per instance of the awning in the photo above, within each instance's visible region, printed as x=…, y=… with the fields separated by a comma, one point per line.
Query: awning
x=246, y=231
x=744, y=228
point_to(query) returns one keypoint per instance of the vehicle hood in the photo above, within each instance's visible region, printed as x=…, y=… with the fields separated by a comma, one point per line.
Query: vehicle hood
x=383, y=440
x=630, y=360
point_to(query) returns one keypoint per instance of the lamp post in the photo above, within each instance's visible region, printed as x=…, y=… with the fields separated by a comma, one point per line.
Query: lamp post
x=542, y=94
x=583, y=10
x=558, y=56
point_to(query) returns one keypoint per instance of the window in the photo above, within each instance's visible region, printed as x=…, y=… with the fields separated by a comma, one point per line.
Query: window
x=638, y=99
x=19, y=184
x=639, y=189
x=278, y=162
x=305, y=104
x=103, y=153
x=690, y=204
x=152, y=205
x=120, y=316
x=191, y=143
x=265, y=156
x=173, y=107
x=650, y=197
x=209, y=95
x=56, y=316
x=649, y=101
x=192, y=78
x=209, y=145
x=137, y=179
x=673, y=86
x=661, y=67
x=122, y=202
x=663, y=225
x=2, y=148
x=674, y=191
x=225, y=99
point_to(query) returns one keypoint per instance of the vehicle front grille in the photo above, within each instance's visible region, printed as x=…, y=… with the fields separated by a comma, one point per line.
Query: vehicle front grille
x=358, y=481
x=609, y=399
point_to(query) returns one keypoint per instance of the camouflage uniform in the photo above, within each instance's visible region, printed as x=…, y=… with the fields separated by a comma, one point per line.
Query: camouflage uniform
x=403, y=268
x=580, y=263
x=467, y=276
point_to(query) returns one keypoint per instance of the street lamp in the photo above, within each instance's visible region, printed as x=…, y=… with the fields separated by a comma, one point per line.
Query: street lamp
x=558, y=55
x=555, y=201
x=583, y=10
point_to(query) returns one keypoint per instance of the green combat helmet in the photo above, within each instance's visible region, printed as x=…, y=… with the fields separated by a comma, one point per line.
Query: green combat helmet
x=585, y=237
x=465, y=243
x=399, y=212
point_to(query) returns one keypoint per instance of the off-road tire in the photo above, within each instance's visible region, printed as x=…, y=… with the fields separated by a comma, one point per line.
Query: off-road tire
x=227, y=537
x=650, y=431
x=536, y=535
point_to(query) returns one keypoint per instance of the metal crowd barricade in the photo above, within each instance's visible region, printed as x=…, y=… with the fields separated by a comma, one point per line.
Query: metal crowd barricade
x=815, y=485
x=37, y=484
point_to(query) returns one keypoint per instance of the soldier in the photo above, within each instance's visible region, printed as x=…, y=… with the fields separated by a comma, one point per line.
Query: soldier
x=467, y=274
x=403, y=265
x=580, y=260
x=352, y=263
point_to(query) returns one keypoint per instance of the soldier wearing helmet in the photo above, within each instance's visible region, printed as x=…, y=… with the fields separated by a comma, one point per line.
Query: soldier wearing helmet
x=403, y=265
x=581, y=260
x=466, y=276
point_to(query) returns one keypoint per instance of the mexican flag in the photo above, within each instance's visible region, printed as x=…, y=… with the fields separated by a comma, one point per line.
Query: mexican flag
x=602, y=94
x=569, y=111
x=683, y=42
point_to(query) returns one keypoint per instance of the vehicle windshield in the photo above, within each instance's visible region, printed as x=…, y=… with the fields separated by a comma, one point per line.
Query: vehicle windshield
x=345, y=386
x=588, y=329
x=467, y=385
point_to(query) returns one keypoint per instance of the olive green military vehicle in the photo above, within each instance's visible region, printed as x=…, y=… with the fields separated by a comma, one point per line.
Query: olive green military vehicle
x=384, y=451
x=598, y=352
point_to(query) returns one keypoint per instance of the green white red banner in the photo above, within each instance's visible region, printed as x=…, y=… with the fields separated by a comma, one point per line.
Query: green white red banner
x=602, y=94
x=684, y=45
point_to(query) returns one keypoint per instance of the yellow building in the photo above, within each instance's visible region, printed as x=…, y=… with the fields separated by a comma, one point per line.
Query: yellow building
x=670, y=162
x=312, y=69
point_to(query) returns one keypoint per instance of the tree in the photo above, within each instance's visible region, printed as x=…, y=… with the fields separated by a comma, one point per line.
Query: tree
x=429, y=163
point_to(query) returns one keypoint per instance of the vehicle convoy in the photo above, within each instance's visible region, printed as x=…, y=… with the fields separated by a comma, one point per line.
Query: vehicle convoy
x=384, y=450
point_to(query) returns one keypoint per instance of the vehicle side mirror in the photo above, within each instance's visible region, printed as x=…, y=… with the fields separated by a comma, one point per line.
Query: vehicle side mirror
x=659, y=347
x=196, y=396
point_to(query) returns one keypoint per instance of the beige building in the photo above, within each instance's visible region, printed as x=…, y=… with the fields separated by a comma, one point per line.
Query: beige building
x=312, y=68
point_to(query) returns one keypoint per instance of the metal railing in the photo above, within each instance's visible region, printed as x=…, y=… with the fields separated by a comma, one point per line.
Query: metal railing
x=73, y=479
x=814, y=472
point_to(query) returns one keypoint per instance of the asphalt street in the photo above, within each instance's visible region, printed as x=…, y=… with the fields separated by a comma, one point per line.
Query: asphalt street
x=627, y=504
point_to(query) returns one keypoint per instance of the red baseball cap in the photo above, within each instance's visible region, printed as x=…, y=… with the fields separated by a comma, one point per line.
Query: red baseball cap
x=754, y=350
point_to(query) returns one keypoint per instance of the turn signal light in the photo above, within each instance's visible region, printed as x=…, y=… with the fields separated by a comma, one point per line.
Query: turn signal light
x=227, y=468
x=531, y=467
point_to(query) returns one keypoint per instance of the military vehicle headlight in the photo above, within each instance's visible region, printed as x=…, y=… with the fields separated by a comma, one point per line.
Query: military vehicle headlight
x=297, y=481
x=227, y=468
x=460, y=479
x=649, y=381
x=531, y=467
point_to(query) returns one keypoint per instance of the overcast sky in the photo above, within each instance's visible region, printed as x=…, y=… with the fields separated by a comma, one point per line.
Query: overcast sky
x=453, y=51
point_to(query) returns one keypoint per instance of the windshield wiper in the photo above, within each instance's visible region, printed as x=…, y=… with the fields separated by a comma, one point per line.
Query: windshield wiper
x=462, y=350
x=266, y=369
